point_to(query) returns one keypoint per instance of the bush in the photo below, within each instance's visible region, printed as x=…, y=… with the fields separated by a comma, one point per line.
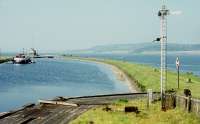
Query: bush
x=123, y=101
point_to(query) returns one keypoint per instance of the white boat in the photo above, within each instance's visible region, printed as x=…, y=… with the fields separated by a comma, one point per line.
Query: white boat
x=22, y=59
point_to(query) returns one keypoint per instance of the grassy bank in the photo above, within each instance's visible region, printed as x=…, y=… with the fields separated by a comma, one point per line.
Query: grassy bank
x=149, y=77
x=153, y=115
x=145, y=77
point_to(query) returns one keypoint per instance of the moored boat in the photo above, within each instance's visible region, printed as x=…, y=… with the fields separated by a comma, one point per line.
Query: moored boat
x=22, y=59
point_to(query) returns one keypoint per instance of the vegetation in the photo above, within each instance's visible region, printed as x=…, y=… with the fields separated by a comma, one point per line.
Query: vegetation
x=153, y=115
x=147, y=77
x=4, y=59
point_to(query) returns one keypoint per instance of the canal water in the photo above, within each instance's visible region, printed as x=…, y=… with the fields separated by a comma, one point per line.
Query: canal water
x=48, y=78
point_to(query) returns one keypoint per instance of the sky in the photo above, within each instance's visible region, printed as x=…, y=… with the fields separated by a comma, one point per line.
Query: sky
x=59, y=25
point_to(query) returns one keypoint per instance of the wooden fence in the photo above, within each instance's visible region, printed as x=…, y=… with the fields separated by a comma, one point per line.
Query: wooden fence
x=188, y=103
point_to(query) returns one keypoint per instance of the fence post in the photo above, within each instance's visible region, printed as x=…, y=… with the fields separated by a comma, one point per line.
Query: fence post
x=175, y=101
x=189, y=104
x=186, y=103
x=188, y=94
x=197, y=108
x=149, y=97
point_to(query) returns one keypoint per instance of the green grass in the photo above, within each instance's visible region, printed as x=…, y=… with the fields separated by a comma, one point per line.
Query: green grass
x=153, y=115
x=147, y=77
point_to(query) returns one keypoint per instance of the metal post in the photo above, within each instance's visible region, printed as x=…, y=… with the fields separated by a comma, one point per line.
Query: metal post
x=178, y=68
x=163, y=43
x=178, y=77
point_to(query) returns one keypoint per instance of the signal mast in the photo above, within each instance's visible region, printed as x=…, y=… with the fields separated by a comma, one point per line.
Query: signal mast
x=163, y=13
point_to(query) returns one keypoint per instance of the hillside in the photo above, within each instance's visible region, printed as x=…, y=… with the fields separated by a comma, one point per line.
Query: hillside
x=139, y=48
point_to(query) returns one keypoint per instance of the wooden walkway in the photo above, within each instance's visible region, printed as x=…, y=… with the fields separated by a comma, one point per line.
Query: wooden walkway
x=61, y=114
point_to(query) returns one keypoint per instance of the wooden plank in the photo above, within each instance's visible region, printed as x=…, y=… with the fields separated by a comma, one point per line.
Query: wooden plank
x=57, y=103
x=55, y=116
x=75, y=113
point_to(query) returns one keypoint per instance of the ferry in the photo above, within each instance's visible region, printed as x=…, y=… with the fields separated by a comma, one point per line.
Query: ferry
x=21, y=59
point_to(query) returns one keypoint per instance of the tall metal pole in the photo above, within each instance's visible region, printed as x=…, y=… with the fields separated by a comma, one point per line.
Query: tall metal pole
x=163, y=13
x=178, y=77
x=178, y=68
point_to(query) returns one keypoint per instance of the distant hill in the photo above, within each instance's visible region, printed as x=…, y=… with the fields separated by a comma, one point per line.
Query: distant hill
x=145, y=48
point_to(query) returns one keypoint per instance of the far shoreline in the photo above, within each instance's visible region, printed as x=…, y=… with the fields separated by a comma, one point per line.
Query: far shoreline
x=4, y=59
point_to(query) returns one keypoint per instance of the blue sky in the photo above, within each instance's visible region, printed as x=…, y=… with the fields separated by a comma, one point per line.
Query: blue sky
x=59, y=25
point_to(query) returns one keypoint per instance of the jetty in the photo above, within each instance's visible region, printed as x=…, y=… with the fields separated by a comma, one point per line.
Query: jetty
x=62, y=110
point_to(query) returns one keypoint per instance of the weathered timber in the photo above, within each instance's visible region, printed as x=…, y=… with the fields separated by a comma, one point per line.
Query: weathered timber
x=56, y=103
x=62, y=110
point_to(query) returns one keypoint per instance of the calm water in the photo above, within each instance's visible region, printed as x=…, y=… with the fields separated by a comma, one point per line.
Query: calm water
x=189, y=63
x=48, y=78
x=21, y=84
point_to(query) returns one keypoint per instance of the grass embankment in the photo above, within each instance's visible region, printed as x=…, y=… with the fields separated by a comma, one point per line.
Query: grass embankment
x=153, y=115
x=147, y=77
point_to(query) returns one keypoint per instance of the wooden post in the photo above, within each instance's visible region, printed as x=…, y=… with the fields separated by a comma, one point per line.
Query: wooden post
x=197, y=108
x=149, y=97
x=189, y=104
x=188, y=95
